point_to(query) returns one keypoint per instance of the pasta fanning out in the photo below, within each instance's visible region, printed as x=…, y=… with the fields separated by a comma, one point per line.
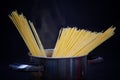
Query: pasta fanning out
x=74, y=42
x=28, y=33
x=71, y=42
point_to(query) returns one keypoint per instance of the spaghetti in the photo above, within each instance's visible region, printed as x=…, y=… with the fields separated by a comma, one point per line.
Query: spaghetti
x=71, y=42
x=75, y=42
x=28, y=33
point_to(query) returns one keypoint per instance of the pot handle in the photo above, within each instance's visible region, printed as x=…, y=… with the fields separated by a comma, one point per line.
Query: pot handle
x=95, y=60
x=26, y=67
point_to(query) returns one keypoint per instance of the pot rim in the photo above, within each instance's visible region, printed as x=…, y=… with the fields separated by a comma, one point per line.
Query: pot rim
x=56, y=57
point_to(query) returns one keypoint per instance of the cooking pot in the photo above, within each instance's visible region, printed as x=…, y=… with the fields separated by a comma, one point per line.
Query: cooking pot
x=48, y=68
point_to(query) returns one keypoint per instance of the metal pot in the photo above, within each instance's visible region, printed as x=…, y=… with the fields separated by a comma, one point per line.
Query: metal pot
x=69, y=68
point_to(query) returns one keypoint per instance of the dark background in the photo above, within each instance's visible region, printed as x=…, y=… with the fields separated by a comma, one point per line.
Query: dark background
x=48, y=17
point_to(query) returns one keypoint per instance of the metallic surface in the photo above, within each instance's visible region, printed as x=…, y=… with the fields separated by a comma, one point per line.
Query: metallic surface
x=61, y=68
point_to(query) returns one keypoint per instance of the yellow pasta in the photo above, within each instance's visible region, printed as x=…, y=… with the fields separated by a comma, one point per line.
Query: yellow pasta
x=75, y=42
x=100, y=39
x=24, y=29
x=71, y=42
x=37, y=37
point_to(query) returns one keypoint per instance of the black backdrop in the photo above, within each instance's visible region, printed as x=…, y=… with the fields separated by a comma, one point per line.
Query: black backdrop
x=48, y=17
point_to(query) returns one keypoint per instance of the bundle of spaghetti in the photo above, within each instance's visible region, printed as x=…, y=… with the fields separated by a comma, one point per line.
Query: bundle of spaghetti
x=79, y=42
x=28, y=33
x=96, y=42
